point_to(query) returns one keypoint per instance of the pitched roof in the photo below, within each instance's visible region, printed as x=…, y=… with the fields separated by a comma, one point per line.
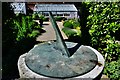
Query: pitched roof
x=55, y=7
x=18, y=6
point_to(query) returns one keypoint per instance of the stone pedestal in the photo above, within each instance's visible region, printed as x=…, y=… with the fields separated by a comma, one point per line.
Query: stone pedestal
x=25, y=72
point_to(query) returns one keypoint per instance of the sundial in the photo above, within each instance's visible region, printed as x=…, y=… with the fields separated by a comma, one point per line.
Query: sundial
x=60, y=59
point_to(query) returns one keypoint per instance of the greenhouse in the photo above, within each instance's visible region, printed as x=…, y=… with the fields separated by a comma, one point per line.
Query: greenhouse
x=19, y=8
x=63, y=10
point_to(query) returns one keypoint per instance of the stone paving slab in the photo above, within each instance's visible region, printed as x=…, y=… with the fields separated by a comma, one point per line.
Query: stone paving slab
x=50, y=33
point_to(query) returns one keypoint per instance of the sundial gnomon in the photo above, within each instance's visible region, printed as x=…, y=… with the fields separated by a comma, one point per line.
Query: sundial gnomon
x=60, y=59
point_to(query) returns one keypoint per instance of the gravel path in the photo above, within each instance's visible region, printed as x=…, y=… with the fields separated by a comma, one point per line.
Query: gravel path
x=50, y=33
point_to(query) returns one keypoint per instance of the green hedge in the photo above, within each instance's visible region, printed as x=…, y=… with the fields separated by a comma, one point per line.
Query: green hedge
x=103, y=23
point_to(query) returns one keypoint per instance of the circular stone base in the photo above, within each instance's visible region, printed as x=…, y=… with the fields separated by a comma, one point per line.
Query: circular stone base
x=26, y=72
x=46, y=60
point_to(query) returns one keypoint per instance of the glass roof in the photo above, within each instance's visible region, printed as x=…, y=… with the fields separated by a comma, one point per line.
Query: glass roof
x=18, y=6
x=55, y=7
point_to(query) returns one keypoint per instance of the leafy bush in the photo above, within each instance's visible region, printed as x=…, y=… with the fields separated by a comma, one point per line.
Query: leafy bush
x=39, y=16
x=71, y=32
x=42, y=17
x=112, y=70
x=46, y=19
x=35, y=16
x=68, y=24
x=58, y=18
x=64, y=19
x=72, y=23
x=76, y=25
x=23, y=25
x=18, y=37
x=103, y=22
x=34, y=33
x=72, y=28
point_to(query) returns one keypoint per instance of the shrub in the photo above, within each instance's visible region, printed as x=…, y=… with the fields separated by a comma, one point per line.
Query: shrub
x=72, y=28
x=76, y=25
x=72, y=23
x=14, y=40
x=58, y=18
x=69, y=32
x=46, y=19
x=103, y=22
x=68, y=24
x=42, y=17
x=35, y=16
x=64, y=19
x=112, y=70
x=24, y=25
x=34, y=33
